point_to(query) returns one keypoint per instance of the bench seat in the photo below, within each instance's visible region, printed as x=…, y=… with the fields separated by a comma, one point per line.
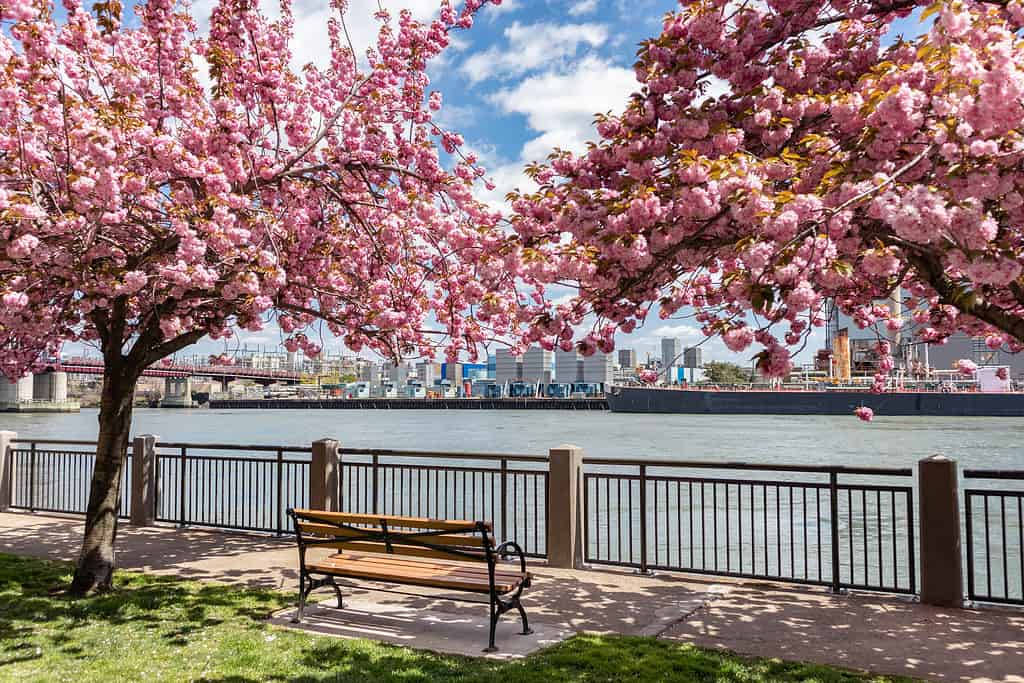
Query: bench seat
x=462, y=576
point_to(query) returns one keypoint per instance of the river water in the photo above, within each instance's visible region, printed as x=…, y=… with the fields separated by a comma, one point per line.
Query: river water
x=996, y=443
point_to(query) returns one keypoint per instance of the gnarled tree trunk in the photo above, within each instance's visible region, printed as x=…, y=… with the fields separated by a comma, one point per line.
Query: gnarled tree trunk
x=95, y=569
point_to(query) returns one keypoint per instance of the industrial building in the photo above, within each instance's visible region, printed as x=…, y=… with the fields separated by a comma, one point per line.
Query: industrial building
x=536, y=365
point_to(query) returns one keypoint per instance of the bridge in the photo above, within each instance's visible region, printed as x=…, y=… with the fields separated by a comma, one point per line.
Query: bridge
x=50, y=383
x=225, y=373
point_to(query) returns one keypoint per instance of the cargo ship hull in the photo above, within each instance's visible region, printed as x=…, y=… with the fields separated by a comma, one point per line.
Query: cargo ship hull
x=966, y=404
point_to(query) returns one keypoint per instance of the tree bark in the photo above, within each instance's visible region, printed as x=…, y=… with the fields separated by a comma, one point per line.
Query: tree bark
x=95, y=570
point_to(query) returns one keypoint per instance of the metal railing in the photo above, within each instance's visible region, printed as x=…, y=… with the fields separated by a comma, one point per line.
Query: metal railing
x=803, y=525
x=994, y=526
x=511, y=491
x=53, y=475
x=230, y=486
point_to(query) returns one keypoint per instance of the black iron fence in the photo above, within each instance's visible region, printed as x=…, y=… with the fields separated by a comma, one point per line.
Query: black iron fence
x=231, y=486
x=511, y=491
x=994, y=530
x=53, y=475
x=800, y=524
x=832, y=526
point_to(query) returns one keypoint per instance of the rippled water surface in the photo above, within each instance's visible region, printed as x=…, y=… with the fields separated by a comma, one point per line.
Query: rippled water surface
x=813, y=439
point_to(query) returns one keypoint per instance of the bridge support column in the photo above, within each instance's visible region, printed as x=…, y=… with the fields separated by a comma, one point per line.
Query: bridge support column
x=50, y=386
x=177, y=393
x=13, y=393
x=6, y=469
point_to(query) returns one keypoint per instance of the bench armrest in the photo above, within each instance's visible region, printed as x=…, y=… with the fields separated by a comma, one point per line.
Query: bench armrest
x=502, y=550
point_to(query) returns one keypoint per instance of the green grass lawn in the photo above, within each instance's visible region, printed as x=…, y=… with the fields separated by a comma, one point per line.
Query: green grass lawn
x=165, y=629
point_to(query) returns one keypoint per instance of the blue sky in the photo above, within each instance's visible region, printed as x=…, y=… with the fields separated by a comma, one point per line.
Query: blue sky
x=528, y=77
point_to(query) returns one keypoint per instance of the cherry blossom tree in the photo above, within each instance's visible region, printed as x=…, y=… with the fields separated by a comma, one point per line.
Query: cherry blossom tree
x=142, y=210
x=781, y=154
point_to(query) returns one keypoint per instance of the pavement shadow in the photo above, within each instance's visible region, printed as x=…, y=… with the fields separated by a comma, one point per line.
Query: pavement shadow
x=885, y=634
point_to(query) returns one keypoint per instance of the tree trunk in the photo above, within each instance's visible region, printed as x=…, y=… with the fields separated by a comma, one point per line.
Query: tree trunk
x=96, y=562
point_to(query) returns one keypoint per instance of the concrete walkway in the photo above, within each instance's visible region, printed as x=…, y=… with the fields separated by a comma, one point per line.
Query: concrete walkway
x=883, y=634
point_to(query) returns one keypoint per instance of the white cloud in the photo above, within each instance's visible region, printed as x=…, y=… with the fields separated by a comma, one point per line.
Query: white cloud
x=532, y=46
x=560, y=106
x=582, y=7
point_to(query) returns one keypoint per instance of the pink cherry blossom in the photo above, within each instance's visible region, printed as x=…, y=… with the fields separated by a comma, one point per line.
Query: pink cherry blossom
x=831, y=165
x=864, y=413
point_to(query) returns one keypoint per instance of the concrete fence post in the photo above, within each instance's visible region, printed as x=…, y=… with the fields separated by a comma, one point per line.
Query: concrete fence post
x=143, y=493
x=324, y=476
x=942, y=577
x=6, y=469
x=565, y=507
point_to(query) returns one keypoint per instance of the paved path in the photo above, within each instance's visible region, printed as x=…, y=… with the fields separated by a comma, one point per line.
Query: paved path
x=877, y=633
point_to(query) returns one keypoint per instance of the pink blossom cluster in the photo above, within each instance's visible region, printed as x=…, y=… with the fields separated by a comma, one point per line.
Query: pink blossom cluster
x=835, y=165
x=143, y=211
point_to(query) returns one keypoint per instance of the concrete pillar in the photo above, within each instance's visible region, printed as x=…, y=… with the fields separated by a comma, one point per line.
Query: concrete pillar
x=51, y=387
x=6, y=469
x=143, y=493
x=16, y=392
x=942, y=577
x=565, y=507
x=177, y=392
x=325, y=477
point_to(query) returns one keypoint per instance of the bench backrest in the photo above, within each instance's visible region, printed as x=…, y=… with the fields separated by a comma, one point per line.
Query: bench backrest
x=412, y=536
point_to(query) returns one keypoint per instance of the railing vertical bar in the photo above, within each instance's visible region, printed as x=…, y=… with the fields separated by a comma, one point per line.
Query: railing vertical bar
x=895, y=555
x=1006, y=552
x=679, y=523
x=643, y=519
x=32, y=478
x=833, y=488
x=181, y=487
x=864, y=529
x=878, y=524
x=376, y=483
x=739, y=524
x=778, y=530
x=911, y=529
x=803, y=506
x=279, y=520
x=504, y=498
x=714, y=522
x=703, y=528
x=988, y=550
x=969, y=523
x=792, y=540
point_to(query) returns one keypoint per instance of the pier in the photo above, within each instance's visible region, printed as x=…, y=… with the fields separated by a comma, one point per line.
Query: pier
x=416, y=403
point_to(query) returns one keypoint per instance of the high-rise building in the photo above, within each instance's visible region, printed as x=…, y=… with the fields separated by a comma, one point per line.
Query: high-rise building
x=567, y=367
x=537, y=365
x=671, y=357
x=507, y=367
x=627, y=359
x=598, y=369
x=427, y=372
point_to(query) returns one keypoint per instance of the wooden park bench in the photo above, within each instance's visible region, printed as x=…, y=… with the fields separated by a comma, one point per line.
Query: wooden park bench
x=453, y=555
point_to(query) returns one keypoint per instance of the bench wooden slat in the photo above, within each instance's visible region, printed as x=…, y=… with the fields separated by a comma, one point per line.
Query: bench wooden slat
x=447, y=565
x=399, y=549
x=409, y=522
x=430, y=574
x=454, y=540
